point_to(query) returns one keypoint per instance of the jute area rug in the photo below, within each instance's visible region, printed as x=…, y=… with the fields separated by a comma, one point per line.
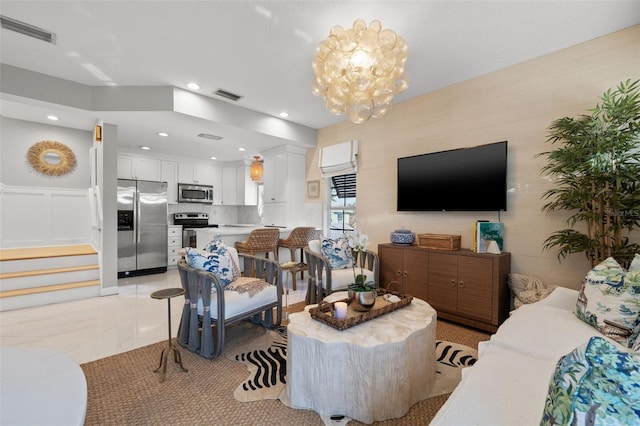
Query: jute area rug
x=266, y=360
x=123, y=390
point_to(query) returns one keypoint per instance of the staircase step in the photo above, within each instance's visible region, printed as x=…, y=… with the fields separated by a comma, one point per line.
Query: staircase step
x=20, y=274
x=45, y=252
x=48, y=288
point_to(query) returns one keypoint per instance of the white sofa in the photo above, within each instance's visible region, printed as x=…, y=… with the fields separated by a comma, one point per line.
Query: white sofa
x=509, y=383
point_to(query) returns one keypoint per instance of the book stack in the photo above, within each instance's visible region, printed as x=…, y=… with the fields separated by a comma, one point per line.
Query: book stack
x=488, y=237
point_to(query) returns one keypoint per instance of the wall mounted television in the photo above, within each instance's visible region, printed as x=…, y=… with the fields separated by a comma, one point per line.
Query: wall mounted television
x=465, y=179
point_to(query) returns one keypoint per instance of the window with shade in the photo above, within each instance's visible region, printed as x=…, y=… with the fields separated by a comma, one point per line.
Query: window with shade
x=342, y=204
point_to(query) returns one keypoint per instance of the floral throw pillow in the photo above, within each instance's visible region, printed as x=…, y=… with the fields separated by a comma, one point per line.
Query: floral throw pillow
x=594, y=384
x=610, y=301
x=337, y=252
x=216, y=241
x=218, y=262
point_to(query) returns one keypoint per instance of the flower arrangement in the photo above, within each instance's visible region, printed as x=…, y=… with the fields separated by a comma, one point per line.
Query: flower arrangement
x=358, y=242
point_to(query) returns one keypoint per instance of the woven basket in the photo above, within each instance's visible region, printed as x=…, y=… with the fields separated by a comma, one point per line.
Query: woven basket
x=324, y=311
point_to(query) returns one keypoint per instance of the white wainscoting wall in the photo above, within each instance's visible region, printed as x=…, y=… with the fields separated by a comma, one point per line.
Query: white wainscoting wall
x=40, y=217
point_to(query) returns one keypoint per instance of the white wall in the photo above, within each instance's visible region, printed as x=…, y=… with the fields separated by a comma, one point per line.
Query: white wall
x=515, y=104
x=17, y=136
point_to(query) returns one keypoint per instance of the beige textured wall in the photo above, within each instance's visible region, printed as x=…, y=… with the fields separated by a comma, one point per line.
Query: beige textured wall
x=515, y=104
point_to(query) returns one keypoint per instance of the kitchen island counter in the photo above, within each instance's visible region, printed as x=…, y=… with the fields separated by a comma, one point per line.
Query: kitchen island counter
x=231, y=234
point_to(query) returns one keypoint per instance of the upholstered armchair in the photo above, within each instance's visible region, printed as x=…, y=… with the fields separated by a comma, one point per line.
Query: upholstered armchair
x=324, y=280
x=211, y=305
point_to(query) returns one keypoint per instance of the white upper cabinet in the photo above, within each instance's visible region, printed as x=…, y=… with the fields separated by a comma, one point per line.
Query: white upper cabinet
x=236, y=186
x=275, y=177
x=192, y=172
x=246, y=189
x=130, y=167
x=170, y=175
x=229, y=185
x=217, y=185
x=284, y=186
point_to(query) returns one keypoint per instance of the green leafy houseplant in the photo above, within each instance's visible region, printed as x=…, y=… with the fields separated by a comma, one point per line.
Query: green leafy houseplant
x=596, y=172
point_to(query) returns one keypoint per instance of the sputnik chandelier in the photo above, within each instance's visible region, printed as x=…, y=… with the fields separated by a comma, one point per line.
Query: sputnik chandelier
x=359, y=70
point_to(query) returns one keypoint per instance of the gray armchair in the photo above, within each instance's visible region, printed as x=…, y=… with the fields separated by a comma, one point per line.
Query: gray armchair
x=324, y=280
x=205, y=310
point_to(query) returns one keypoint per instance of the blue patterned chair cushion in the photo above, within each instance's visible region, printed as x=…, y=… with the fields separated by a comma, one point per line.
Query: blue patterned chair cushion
x=337, y=252
x=610, y=301
x=595, y=384
x=219, y=262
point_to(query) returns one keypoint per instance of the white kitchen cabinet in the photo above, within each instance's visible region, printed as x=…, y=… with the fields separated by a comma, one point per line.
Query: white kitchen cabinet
x=246, y=189
x=174, y=244
x=169, y=174
x=229, y=186
x=284, y=186
x=217, y=185
x=275, y=177
x=275, y=214
x=130, y=167
x=193, y=172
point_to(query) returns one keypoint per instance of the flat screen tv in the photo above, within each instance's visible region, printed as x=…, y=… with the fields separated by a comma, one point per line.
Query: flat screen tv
x=466, y=179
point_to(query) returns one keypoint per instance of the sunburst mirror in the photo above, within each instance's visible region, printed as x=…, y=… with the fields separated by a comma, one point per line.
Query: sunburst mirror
x=51, y=158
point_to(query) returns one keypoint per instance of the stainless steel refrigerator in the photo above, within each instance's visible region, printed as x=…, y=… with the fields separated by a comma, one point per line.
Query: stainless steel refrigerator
x=142, y=227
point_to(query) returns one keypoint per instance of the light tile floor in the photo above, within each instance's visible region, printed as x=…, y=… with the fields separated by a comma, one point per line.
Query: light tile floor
x=95, y=328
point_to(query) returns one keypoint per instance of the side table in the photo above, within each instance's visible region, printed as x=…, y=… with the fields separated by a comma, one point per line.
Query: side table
x=371, y=372
x=168, y=293
x=294, y=268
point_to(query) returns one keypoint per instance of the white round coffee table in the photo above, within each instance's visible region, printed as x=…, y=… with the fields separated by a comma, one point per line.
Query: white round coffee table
x=374, y=371
x=41, y=387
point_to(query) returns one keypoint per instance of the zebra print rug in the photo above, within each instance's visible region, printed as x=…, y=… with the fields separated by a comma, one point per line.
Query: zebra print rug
x=266, y=360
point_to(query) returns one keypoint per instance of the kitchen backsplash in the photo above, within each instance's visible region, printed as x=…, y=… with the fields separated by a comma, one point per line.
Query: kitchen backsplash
x=218, y=214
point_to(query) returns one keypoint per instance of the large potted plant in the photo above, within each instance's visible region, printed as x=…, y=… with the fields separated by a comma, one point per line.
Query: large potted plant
x=596, y=173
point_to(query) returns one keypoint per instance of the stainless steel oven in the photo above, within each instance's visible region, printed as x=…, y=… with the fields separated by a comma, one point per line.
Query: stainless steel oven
x=191, y=193
x=190, y=223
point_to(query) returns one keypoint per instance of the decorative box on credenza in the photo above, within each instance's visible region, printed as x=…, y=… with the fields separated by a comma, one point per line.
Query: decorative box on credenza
x=463, y=286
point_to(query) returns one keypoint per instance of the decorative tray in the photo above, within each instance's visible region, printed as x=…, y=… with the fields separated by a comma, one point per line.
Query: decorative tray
x=324, y=312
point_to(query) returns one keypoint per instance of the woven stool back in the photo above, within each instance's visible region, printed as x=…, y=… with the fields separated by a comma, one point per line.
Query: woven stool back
x=298, y=238
x=262, y=240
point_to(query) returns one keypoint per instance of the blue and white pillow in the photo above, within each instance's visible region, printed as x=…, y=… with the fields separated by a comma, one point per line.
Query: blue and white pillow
x=218, y=262
x=216, y=241
x=337, y=252
x=610, y=301
x=594, y=384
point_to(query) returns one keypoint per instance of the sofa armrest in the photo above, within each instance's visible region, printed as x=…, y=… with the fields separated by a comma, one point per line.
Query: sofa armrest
x=561, y=298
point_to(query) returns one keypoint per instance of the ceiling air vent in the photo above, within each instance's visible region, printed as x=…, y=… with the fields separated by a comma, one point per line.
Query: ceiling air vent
x=228, y=95
x=28, y=30
x=210, y=136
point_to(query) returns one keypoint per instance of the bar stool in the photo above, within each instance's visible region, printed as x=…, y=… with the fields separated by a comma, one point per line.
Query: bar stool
x=298, y=239
x=168, y=293
x=261, y=240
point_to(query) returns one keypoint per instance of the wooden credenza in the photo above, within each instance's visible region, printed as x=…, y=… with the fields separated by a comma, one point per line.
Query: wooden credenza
x=463, y=286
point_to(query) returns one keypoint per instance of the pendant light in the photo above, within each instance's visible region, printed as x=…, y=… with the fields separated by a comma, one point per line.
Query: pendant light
x=256, y=169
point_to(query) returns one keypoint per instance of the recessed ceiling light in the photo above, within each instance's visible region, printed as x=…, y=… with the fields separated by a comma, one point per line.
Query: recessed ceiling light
x=52, y=117
x=213, y=158
x=241, y=149
x=163, y=134
x=284, y=114
x=146, y=148
x=193, y=86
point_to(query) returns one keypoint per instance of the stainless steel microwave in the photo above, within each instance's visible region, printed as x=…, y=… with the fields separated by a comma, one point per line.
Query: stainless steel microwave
x=192, y=193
